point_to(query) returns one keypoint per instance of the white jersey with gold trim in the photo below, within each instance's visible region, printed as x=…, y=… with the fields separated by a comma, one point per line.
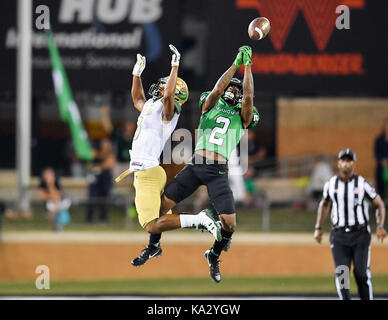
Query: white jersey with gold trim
x=150, y=136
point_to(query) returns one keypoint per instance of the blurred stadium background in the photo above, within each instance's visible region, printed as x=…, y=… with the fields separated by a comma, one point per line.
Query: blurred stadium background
x=318, y=90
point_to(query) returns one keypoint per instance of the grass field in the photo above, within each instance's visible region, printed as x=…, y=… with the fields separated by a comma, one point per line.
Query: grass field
x=286, y=220
x=248, y=219
x=194, y=286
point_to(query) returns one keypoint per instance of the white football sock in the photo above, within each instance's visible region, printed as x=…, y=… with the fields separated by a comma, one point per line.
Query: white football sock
x=189, y=220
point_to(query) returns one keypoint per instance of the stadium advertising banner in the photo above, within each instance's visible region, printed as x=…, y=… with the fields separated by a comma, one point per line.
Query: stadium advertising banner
x=97, y=39
x=322, y=46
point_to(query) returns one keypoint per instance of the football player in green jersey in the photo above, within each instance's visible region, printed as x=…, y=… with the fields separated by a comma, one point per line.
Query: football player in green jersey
x=226, y=111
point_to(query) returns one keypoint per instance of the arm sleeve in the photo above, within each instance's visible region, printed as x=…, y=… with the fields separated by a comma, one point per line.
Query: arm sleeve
x=203, y=98
x=369, y=190
x=326, y=195
x=255, y=119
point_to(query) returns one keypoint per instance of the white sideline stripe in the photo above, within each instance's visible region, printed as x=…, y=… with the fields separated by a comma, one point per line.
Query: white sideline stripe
x=177, y=237
x=192, y=237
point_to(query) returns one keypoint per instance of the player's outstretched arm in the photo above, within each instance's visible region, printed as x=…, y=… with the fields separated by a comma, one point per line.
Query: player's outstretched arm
x=323, y=211
x=224, y=80
x=137, y=92
x=219, y=88
x=169, y=90
x=380, y=218
x=247, y=101
x=248, y=87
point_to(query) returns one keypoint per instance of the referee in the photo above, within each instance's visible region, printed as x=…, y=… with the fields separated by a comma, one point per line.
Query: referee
x=347, y=194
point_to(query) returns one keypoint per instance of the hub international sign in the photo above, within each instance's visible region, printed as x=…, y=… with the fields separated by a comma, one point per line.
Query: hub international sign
x=97, y=39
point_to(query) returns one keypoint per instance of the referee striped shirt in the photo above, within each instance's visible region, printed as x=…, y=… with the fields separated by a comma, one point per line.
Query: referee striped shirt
x=348, y=197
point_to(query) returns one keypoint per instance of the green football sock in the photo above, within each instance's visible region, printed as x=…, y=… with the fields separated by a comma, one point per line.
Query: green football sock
x=213, y=253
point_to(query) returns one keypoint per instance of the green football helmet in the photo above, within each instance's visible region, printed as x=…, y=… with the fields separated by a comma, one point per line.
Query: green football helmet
x=234, y=98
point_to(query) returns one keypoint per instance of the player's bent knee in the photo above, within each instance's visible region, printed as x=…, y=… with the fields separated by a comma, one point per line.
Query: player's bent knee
x=152, y=227
x=166, y=205
x=229, y=222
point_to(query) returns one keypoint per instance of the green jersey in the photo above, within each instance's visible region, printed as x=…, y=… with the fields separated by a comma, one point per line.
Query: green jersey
x=221, y=129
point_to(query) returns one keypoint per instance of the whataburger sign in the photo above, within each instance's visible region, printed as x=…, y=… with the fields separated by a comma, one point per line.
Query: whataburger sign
x=320, y=17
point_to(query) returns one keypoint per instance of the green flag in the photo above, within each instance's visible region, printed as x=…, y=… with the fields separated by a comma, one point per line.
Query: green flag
x=67, y=106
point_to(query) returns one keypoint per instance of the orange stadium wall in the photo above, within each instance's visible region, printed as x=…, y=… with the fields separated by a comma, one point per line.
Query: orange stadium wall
x=325, y=126
x=98, y=256
x=92, y=261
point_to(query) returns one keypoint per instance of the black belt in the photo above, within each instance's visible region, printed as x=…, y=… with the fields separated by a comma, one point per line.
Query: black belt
x=198, y=159
x=351, y=228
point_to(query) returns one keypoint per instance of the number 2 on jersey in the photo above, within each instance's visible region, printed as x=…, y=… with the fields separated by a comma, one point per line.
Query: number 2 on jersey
x=212, y=138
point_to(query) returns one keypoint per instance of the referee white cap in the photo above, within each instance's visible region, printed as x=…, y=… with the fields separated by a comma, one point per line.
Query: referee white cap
x=347, y=153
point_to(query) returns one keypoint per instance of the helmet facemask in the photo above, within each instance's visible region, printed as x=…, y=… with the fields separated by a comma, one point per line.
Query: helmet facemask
x=181, y=91
x=156, y=89
x=234, y=97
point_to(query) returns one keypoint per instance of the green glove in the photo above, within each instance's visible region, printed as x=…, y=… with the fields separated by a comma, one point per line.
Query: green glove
x=239, y=60
x=246, y=49
x=246, y=60
x=247, y=54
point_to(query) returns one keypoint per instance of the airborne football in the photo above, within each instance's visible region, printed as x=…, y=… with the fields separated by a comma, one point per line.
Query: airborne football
x=259, y=28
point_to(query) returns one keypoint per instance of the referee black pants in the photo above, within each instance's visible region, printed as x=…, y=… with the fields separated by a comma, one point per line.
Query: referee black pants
x=348, y=247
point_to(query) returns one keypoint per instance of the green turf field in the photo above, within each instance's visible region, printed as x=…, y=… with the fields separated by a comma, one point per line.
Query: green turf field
x=281, y=220
x=194, y=286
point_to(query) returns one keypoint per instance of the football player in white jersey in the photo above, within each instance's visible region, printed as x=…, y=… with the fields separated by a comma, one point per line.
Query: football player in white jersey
x=157, y=120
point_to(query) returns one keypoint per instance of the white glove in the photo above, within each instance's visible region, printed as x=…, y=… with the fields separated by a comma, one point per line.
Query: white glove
x=175, y=57
x=139, y=66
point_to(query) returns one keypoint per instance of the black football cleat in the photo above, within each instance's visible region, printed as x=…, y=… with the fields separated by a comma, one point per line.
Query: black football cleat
x=147, y=253
x=213, y=263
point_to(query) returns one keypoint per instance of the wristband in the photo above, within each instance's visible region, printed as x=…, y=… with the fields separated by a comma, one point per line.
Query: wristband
x=318, y=228
x=380, y=226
